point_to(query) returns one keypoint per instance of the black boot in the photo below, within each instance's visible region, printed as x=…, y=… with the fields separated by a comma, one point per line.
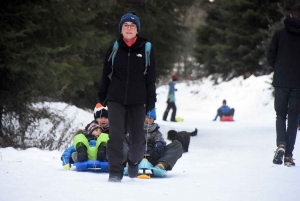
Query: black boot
x=82, y=154
x=133, y=169
x=101, y=155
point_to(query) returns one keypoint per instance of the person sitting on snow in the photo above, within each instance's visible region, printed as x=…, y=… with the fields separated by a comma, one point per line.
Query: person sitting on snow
x=86, y=146
x=160, y=155
x=224, y=110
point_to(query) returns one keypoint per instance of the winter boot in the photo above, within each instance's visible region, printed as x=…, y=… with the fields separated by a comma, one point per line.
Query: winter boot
x=74, y=157
x=82, y=154
x=161, y=165
x=114, y=179
x=133, y=169
x=279, y=153
x=289, y=161
x=101, y=155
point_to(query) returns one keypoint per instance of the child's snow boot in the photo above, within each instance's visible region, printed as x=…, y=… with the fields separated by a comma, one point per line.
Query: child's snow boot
x=161, y=165
x=101, y=155
x=82, y=154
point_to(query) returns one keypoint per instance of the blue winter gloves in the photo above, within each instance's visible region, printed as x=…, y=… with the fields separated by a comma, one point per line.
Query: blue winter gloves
x=159, y=148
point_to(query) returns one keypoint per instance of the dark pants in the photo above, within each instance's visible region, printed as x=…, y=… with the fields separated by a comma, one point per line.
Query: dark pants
x=171, y=105
x=173, y=152
x=121, y=117
x=287, y=107
x=230, y=113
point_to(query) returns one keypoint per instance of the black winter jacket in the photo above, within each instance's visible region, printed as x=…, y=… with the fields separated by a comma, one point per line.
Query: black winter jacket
x=129, y=85
x=284, y=55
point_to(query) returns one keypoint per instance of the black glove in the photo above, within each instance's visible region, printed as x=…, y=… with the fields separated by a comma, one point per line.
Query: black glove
x=159, y=148
x=150, y=106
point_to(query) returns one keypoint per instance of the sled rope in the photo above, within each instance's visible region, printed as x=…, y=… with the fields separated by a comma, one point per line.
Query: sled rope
x=147, y=138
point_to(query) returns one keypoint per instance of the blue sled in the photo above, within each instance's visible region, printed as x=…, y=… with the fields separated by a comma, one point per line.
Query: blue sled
x=92, y=165
x=146, y=168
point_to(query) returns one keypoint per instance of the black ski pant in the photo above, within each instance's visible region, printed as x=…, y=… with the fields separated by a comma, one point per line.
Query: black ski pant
x=287, y=107
x=122, y=117
x=173, y=152
x=171, y=105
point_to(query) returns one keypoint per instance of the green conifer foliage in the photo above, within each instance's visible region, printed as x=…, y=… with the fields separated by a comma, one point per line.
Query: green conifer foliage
x=230, y=44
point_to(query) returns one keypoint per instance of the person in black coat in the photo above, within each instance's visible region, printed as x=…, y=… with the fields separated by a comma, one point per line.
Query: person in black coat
x=284, y=57
x=128, y=89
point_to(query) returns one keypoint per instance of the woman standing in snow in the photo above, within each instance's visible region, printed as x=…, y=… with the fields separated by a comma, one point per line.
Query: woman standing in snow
x=128, y=89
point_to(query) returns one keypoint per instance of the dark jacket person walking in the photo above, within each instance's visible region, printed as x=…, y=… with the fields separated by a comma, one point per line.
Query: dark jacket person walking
x=284, y=57
x=128, y=88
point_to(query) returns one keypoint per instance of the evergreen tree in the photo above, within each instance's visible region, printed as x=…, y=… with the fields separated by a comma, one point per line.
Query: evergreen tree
x=231, y=42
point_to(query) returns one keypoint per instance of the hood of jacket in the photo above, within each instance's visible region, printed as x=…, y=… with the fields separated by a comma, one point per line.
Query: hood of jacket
x=292, y=25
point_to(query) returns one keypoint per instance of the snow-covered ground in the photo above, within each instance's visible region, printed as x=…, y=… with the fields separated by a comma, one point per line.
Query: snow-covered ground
x=227, y=161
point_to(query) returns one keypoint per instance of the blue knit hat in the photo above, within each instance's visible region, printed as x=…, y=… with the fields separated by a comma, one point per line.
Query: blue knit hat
x=130, y=17
x=152, y=114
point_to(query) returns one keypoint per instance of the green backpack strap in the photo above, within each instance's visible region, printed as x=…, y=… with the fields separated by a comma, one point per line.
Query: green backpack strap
x=147, y=55
x=114, y=52
x=112, y=57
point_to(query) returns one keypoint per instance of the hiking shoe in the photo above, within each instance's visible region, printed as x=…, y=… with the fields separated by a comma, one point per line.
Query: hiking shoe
x=114, y=179
x=133, y=169
x=279, y=153
x=161, y=165
x=289, y=161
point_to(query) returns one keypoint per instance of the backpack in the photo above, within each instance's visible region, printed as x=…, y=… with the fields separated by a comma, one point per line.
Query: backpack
x=114, y=52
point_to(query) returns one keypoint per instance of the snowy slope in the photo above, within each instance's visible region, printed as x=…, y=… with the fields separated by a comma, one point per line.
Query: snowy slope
x=227, y=161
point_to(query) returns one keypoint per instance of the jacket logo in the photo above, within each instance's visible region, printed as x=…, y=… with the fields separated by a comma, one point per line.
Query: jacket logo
x=139, y=55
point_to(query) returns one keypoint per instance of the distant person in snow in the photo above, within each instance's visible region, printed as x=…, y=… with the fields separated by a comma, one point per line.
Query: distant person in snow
x=171, y=100
x=224, y=110
x=283, y=56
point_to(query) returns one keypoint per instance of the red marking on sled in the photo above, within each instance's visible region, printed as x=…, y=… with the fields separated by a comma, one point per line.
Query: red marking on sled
x=226, y=118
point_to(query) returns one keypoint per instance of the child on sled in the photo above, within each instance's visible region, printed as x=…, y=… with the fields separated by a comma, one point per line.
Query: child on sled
x=86, y=146
x=159, y=154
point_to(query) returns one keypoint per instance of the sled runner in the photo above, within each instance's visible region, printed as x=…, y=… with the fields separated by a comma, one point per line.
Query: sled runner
x=147, y=170
x=91, y=165
x=226, y=118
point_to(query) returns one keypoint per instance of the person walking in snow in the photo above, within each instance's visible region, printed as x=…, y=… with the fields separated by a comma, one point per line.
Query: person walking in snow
x=284, y=58
x=224, y=110
x=162, y=156
x=171, y=100
x=128, y=89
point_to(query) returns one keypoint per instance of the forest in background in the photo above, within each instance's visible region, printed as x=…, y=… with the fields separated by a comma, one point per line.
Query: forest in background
x=53, y=50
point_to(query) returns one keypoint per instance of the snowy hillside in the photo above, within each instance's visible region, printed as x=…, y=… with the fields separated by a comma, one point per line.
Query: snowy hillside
x=227, y=161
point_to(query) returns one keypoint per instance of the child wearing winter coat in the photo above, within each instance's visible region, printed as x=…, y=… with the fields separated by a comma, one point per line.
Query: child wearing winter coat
x=101, y=118
x=89, y=146
x=159, y=154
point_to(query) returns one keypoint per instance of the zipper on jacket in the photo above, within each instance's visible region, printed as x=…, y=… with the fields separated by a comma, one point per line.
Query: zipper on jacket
x=127, y=76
